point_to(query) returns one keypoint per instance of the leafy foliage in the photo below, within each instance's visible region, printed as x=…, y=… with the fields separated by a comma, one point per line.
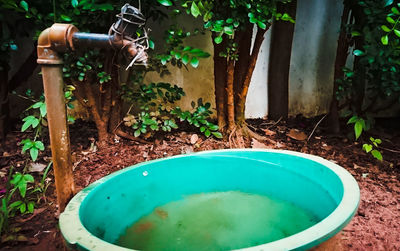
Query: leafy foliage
x=158, y=111
x=372, y=148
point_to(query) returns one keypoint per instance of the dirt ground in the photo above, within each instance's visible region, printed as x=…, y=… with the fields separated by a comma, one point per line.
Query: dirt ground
x=376, y=225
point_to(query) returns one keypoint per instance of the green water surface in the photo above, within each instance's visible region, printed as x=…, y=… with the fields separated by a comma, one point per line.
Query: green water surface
x=216, y=221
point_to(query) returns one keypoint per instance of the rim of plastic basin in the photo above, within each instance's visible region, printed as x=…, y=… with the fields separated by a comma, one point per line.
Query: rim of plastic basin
x=76, y=234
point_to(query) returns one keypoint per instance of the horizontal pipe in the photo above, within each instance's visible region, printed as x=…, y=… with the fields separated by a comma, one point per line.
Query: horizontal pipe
x=92, y=40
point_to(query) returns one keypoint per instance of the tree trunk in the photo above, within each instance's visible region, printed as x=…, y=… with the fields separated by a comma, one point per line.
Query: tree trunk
x=279, y=63
x=342, y=52
x=116, y=102
x=230, y=100
x=4, y=108
x=240, y=103
x=244, y=58
x=220, y=69
x=102, y=126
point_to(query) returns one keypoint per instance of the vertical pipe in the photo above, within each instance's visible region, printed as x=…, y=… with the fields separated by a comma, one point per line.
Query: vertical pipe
x=53, y=86
x=59, y=134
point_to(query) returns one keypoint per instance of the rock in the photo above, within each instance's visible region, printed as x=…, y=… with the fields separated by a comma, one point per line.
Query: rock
x=193, y=139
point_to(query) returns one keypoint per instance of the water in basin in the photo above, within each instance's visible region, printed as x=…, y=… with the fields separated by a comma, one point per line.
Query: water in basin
x=216, y=221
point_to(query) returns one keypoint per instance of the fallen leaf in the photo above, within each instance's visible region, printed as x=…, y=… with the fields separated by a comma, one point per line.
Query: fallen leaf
x=36, y=167
x=297, y=135
x=257, y=144
x=193, y=139
x=269, y=132
x=279, y=145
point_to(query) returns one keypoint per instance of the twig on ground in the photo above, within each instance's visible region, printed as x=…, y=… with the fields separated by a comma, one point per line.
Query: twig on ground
x=389, y=150
x=273, y=124
x=309, y=137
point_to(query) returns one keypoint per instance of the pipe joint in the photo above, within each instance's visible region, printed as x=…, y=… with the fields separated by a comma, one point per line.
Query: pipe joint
x=57, y=38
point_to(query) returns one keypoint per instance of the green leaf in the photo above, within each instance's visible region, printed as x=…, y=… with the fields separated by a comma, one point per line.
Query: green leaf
x=218, y=40
x=28, y=178
x=390, y=20
x=43, y=110
x=34, y=152
x=194, y=9
x=397, y=32
x=39, y=145
x=27, y=145
x=352, y=120
x=355, y=33
x=261, y=25
x=202, y=129
x=37, y=105
x=22, y=208
x=213, y=127
x=358, y=52
x=185, y=59
x=137, y=133
x=378, y=141
x=228, y=30
x=194, y=62
x=377, y=154
x=217, y=135
x=367, y=148
x=66, y=18
x=165, y=2
x=151, y=44
x=24, y=5
x=395, y=11
x=207, y=133
x=74, y=3
x=26, y=125
x=16, y=204
x=31, y=206
x=358, y=128
x=385, y=28
x=388, y=2
x=385, y=40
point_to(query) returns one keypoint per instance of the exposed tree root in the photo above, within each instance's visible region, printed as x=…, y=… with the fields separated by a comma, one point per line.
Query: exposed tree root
x=241, y=134
x=126, y=135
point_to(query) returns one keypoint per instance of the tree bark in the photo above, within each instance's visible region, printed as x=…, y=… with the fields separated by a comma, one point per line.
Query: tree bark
x=240, y=104
x=244, y=57
x=230, y=100
x=220, y=69
x=279, y=63
x=102, y=127
x=342, y=52
x=4, y=107
x=116, y=102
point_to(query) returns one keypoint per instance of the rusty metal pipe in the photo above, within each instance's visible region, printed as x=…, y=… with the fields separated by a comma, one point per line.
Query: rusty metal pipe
x=52, y=41
x=56, y=117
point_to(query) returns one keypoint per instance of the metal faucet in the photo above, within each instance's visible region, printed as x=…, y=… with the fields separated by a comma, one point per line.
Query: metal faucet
x=58, y=39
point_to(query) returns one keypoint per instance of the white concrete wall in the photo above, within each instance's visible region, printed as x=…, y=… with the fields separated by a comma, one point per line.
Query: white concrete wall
x=313, y=56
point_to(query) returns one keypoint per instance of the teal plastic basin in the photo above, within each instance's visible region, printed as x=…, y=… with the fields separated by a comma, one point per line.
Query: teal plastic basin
x=100, y=213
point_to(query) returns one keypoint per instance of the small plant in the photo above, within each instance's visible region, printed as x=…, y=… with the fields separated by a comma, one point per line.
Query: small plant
x=41, y=188
x=36, y=119
x=17, y=181
x=360, y=125
x=372, y=148
x=199, y=118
